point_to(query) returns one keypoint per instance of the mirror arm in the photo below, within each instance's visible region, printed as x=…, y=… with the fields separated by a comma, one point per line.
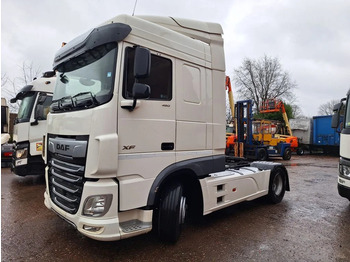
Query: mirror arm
x=130, y=108
x=35, y=123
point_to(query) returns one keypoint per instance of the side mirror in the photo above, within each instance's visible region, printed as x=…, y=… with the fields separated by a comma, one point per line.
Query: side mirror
x=37, y=114
x=42, y=98
x=39, y=109
x=141, y=91
x=142, y=63
x=336, y=115
x=142, y=69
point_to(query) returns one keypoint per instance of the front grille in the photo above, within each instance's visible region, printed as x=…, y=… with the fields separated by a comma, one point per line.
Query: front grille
x=66, y=172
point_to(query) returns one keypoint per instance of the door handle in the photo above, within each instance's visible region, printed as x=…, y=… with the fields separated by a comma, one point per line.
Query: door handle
x=167, y=146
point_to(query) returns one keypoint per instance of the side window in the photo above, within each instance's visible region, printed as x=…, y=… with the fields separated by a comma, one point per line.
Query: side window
x=160, y=79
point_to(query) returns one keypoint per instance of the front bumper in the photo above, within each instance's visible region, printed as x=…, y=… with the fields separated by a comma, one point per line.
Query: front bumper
x=33, y=165
x=6, y=155
x=110, y=226
x=344, y=188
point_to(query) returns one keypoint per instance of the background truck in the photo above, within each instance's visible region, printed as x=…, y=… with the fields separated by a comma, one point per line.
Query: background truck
x=30, y=125
x=341, y=122
x=6, y=148
x=136, y=133
x=316, y=134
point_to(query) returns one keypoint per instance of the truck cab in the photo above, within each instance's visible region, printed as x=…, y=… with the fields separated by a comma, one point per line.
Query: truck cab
x=136, y=130
x=341, y=121
x=30, y=125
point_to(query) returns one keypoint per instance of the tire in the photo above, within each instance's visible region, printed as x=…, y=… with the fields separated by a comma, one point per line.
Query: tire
x=262, y=154
x=172, y=212
x=300, y=151
x=287, y=154
x=277, y=185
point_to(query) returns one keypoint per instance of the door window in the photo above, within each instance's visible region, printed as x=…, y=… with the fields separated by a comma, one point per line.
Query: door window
x=160, y=79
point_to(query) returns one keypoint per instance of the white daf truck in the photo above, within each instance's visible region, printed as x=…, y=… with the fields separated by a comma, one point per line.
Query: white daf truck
x=341, y=120
x=136, y=131
x=30, y=125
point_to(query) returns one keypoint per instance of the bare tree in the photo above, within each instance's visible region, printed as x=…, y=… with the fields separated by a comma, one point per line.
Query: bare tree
x=263, y=79
x=29, y=72
x=327, y=108
x=4, y=80
x=10, y=87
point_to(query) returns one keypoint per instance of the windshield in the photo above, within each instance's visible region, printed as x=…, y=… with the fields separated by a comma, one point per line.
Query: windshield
x=25, y=109
x=86, y=81
x=347, y=113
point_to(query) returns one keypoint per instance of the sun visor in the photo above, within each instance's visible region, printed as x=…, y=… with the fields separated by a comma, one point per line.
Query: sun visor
x=21, y=93
x=95, y=37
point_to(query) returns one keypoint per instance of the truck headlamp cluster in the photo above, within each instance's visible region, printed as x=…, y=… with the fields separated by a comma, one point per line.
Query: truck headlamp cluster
x=22, y=153
x=344, y=171
x=97, y=206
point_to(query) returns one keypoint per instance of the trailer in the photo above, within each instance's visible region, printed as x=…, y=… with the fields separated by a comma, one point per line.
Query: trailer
x=315, y=135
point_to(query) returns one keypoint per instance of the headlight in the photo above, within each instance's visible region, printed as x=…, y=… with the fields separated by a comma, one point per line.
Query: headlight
x=344, y=171
x=22, y=153
x=97, y=206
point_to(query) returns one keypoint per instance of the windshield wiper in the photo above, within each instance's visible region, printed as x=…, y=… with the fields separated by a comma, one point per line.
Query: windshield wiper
x=63, y=103
x=85, y=99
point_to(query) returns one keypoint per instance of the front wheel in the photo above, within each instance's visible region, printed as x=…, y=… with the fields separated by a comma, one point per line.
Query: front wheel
x=277, y=185
x=262, y=154
x=287, y=154
x=172, y=212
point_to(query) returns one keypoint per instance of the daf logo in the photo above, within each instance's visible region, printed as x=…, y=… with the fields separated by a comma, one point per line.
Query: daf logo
x=62, y=147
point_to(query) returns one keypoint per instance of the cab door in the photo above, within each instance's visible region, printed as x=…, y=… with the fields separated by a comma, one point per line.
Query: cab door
x=150, y=126
x=146, y=134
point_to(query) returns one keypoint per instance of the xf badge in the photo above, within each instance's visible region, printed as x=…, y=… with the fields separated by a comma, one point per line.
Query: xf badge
x=128, y=147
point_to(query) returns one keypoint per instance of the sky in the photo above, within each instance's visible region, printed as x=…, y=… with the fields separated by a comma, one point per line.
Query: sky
x=311, y=38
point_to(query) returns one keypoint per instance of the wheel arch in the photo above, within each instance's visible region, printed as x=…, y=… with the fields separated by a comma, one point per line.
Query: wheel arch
x=188, y=172
x=186, y=176
x=274, y=167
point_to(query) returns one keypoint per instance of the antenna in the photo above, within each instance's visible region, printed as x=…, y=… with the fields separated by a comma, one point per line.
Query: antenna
x=133, y=12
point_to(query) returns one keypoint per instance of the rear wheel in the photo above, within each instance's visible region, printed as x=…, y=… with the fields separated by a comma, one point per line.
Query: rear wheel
x=277, y=185
x=300, y=151
x=172, y=212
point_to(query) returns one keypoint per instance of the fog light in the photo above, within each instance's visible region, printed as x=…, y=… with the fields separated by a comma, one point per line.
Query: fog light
x=21, y=153
x=91, y=228
x=97, y=206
